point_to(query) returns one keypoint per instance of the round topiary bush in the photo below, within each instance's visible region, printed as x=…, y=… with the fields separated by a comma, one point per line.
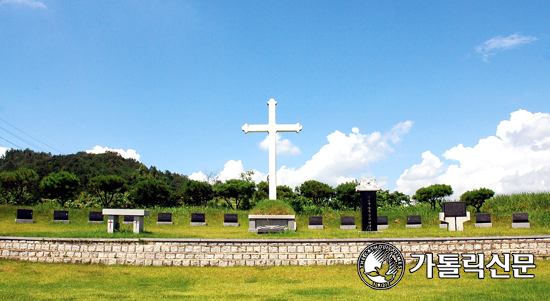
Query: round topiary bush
x=272, y=207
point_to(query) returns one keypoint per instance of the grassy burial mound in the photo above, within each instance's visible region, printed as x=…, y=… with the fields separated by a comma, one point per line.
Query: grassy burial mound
x=501, y=208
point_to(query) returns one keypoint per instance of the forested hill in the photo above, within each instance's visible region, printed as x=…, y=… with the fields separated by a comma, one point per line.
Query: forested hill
x=86, y=166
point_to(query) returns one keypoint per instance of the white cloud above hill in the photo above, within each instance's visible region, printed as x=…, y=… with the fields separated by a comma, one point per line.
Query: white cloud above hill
x=284, y=146
x=3, y=151
x=129, y=154
x=516, y=159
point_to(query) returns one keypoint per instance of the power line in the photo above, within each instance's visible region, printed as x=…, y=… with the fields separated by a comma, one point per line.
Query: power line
x=22, y=139
x=11, y=142
x=29, y=137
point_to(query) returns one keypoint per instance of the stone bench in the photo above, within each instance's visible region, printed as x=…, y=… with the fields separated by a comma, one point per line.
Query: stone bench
x=113, y=214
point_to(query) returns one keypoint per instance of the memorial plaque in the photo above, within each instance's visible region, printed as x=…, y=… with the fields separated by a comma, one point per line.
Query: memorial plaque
x=24, y=213
x=165, y=217
x=61, y=215
x=230, y=218
x=483, y=218
x=369, y=211
x=96, y=216
x=348, y=220
x=263, y=230
x=454, y=209
x=315, y=220
x=520, y=217
x=198, y=217
x=382, y=220
x=414, y=220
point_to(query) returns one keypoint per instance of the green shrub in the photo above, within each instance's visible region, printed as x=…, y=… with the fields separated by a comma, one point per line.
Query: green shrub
x=273, y=207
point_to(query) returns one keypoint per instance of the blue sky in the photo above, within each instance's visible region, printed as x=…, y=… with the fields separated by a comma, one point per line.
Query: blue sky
x=410, y=93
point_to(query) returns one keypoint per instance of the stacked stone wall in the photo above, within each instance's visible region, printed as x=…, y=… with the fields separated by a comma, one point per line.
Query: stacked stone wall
x=247, y=252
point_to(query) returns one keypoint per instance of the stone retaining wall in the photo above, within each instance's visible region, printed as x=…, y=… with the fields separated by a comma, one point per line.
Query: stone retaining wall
x=250, y=252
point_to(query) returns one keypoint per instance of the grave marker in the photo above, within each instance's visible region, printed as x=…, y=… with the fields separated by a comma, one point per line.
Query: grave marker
x=382, y=221
x=414, y=221
x=61, y=217
x=96, y=217
x=520, y=220
x=198, y=219
x=24, y=216
x=348, y=223
x=164, y=218
x=316, y=222
x=128, y=219
x=455, y=215
x=231, y=220
x=483, y=220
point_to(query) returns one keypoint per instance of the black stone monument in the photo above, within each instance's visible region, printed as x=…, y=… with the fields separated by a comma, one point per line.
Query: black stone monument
x=128, y=219
x=96, y=217
x=348, y=222
x=61, y=216
x=198, y=219
x=231, y=220
x=483, y=218
x=368, y=211
x=316, y=222
x=414, y=221
x=24, y=216
x=454, y=209
x=165, y=218
x=520, y=220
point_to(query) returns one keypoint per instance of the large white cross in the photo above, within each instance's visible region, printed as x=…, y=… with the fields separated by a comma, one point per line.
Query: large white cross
x=272, y=128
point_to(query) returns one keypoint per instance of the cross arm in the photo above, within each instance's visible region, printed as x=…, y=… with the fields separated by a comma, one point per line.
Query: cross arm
x=289, y=127
x=255, y=128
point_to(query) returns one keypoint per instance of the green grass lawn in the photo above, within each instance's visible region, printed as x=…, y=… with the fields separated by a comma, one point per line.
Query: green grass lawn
x=38, y=281
x=79, y=227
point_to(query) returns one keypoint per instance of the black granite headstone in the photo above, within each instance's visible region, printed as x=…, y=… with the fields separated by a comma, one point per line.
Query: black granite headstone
x=128, y=218
x=60, y=215
x=368, y=211
x=348, y=220
x=230, y=218
x=316, y=221
x=414, y=220
x=520, y=217
x=24, y=213
x=382, y=220
x=454, y=209
x=165, y=217
x=198, y=217
x=96, y=216
x=483, y=218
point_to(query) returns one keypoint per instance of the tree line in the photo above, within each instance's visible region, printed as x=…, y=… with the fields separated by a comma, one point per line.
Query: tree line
x=110, y=181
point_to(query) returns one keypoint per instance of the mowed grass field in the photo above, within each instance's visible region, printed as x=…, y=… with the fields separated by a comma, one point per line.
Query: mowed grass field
x=39, y=281
x=79, y=227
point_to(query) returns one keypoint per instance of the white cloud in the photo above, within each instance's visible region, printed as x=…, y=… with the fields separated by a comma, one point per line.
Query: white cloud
x=129, y=154
x=30, y=3
x=231, y=170
x=492, y=46
x=339, y=161
x=3, y=151
x=420, y=175
x=284, y=146
x=517, y=159
x=343, y=157
x=198, y=176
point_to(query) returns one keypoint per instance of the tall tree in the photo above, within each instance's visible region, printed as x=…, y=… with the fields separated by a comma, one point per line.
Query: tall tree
x=477, y=197
x=17, y=184
x=396, y=198
x=151, y=192
x=105, y=187
x=347, y=194
x=60, y=185
x=240, y=191
x=433, y=194
x=197, y=193
x=315, y=190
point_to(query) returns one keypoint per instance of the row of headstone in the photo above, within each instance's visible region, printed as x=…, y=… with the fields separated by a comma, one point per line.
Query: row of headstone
x=520, y=220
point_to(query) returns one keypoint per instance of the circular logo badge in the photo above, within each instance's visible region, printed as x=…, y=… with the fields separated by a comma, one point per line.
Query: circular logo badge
x=381, y=266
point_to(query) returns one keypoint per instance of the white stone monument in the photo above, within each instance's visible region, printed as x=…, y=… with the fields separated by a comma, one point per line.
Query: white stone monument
x=272, y=128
